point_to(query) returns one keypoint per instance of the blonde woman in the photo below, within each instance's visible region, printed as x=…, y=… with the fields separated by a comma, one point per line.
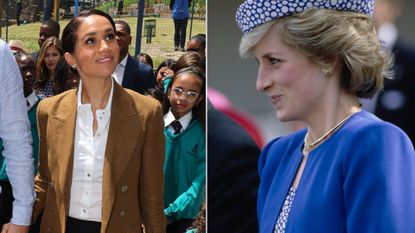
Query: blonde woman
x=348, y=171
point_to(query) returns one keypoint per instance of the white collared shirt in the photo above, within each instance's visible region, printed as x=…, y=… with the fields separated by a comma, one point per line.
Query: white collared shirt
x=31, y=100
x=119, y=70
x=89, y=154
x=184, y=120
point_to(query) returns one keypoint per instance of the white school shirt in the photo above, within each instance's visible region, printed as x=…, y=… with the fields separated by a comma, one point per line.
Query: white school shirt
x=31, y=100
x=88, y=165
x=184, y=120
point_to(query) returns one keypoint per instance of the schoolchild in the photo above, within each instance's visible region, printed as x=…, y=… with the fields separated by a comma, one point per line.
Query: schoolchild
x=184, y=131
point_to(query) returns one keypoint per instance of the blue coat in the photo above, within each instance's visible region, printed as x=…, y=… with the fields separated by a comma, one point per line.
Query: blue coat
x=360, y=180
x=138, y=76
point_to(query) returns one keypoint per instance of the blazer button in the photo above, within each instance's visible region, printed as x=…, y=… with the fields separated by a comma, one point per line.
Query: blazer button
x=124, y=188
x=123, y=212
x=48, y=229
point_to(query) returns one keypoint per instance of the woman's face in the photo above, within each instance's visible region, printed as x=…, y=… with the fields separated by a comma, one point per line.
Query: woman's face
x=52, y=57
x=184, y=94
x=294, y=84
x=96, y=51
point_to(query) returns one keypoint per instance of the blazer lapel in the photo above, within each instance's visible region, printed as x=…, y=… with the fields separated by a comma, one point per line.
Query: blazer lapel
x=124, y=129
x=61, y=144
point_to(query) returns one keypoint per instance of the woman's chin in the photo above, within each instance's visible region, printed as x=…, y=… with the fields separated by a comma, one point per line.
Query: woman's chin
x=281, y=116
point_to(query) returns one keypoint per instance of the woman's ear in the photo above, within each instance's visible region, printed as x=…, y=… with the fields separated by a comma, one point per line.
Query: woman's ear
x=329, y=65
x=70, y=59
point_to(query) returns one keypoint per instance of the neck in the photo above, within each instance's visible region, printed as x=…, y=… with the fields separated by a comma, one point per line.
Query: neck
x=330, y=115
x=51, y=74
x=27, y=92
x=96, y=92
x=122, y=56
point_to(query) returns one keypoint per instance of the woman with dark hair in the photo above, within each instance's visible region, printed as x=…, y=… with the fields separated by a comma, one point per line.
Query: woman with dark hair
x=348, y=171
x=163, y=71
x=100, y=159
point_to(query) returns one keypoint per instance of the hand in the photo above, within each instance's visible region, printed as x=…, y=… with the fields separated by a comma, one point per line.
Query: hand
x=13, y=228
x=168, y=73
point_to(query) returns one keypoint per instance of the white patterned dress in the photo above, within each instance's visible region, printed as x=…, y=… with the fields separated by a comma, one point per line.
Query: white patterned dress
x=285, y=211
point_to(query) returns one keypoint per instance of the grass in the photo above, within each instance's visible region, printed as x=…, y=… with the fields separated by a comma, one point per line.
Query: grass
x=160, y=48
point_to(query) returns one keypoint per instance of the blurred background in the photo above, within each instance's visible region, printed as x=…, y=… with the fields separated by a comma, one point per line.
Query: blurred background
x=235, y=78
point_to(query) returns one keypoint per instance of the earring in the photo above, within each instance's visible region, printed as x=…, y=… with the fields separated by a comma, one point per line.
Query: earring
x=326, y=71
x=74, y=66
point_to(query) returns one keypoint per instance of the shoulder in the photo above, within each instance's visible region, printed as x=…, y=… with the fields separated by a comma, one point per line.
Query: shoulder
x=139, y=66
x=132, y=64
x=143, y=103
x=369, y=128
x=365, y=138
x=53, y=104
x=144, y=67
x=224, y=133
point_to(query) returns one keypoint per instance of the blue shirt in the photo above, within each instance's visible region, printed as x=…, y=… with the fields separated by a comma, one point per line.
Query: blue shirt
x=16, y=136
x=359, y=180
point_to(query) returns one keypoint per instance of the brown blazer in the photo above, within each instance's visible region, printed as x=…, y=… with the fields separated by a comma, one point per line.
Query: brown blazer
x=132, y=189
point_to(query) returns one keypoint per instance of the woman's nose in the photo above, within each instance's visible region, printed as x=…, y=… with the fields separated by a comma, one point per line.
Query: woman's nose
x=104, y=45
x=263, y=81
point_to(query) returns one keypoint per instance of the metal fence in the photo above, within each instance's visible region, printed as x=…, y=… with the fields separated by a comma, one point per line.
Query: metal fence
x=155, y=39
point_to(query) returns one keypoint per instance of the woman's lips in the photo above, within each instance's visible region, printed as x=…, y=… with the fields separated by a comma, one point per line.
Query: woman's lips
x=275, y=99
x=104, y=60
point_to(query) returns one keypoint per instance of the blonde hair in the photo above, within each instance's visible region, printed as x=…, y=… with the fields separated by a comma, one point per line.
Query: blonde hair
x=322, y=34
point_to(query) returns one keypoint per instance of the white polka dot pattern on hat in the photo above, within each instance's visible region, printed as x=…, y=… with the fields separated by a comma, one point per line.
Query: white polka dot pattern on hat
x=252, y=13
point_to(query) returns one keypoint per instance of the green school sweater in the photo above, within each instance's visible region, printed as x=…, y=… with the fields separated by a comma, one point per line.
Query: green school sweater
x=184, y=172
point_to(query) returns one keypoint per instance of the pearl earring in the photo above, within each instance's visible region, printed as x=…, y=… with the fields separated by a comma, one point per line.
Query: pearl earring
x=74, y=66
x=326, y=71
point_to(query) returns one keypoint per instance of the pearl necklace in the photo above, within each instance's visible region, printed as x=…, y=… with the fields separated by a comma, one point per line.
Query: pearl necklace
x=310, y=145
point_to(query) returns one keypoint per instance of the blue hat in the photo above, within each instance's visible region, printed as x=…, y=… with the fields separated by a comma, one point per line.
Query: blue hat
x=252, y=13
